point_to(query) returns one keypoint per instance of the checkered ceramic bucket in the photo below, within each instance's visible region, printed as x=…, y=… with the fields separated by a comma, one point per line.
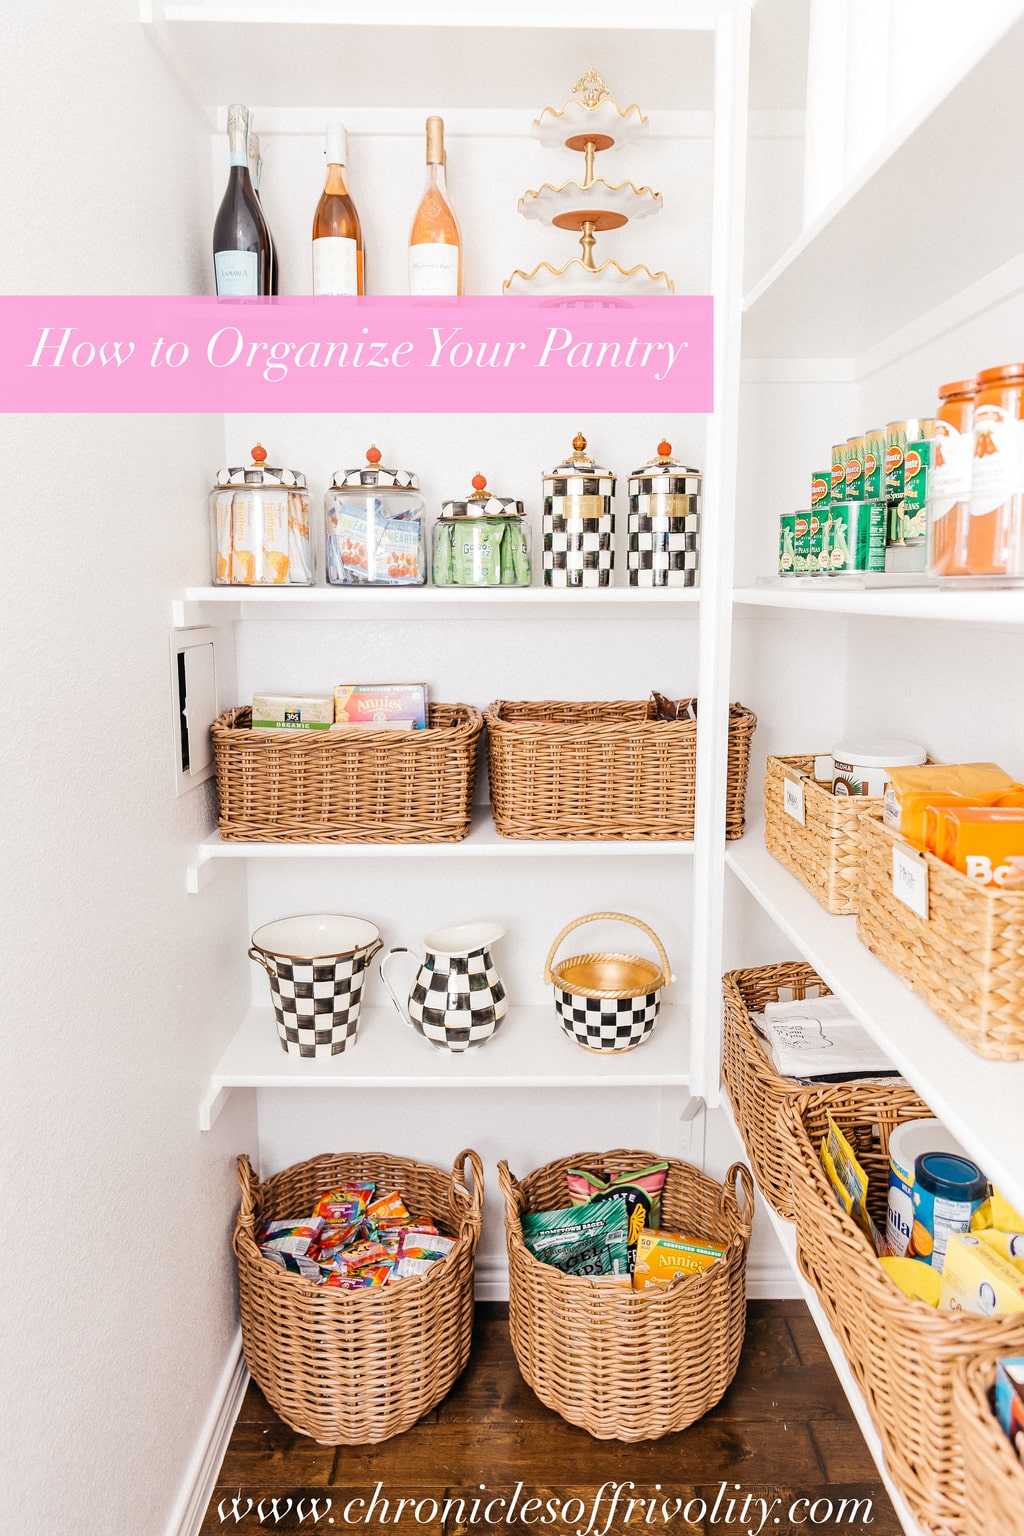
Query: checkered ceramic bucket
x=317, y=966
x=608, y=1002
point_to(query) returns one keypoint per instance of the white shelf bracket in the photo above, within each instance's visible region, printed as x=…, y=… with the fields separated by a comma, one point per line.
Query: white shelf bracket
x=200, y=871
x=211, y=1106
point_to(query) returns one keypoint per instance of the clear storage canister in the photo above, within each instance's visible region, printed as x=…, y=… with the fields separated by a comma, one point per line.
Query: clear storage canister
x=579, y=521
x=664, y=523
x=259, y=520
x=483, y=541
x=374, y=533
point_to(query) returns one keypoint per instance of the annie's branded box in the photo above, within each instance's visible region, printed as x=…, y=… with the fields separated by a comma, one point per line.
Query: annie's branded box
x=382, y=706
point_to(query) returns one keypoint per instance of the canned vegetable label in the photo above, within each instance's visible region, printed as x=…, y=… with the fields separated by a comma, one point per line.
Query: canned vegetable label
x=787, y=553
x=858, y=536
x=916, y=475
x=818, y=549
x=801, y=542
x=874, y=458
x=855, y=470
x=838, y=476
x=821, y=486
x=894, y=471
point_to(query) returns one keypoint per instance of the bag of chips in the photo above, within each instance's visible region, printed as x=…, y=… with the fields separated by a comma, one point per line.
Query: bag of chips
x=642, y=1190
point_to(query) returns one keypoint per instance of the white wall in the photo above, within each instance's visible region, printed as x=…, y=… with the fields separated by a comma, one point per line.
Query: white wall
x=118, y=1288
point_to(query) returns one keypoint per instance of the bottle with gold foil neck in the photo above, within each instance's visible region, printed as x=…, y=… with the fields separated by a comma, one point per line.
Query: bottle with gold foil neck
x=435, y=245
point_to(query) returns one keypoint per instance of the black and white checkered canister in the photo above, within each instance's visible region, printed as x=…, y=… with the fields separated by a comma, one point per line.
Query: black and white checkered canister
x=664, y=531
x=457, y=1001
x=578, y=535
x=607, y=1023
x=317, y=1002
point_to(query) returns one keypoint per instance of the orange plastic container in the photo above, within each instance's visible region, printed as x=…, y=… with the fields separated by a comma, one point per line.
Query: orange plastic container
x=950, y=483
x=993, y=545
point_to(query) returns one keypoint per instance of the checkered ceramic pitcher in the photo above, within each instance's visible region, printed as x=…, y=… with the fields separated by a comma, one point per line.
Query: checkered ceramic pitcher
x=317, y=966
x=458, y=999
x=608, y=1002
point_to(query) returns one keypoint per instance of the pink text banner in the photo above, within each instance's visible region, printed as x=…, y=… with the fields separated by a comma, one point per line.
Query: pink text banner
x=136, y=354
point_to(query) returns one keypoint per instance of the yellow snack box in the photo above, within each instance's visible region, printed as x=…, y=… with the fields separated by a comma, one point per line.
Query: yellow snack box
x=918, y=1281
x=1008, y=1245
x=980, y=841
x=661, y=1256
x=977, y=1279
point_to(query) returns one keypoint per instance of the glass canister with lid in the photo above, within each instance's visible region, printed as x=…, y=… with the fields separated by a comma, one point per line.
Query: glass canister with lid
x=374, y=532
x=483, y=541
x=259, y=522
x=664, y=523
x=579, y=521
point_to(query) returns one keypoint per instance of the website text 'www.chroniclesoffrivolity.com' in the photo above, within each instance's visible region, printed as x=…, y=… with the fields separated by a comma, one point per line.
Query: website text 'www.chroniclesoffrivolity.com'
x=605, y=1511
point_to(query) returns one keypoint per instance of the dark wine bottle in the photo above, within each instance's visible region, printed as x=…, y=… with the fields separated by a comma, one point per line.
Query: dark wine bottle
x=256, y=176
x=241, y=240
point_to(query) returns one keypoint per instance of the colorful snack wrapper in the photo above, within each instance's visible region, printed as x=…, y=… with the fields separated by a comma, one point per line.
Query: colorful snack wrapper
x=642, y=1190
x=380, y=1274
x=388, y=1211
x=336, y=1281
x=362, y=1255
x=333, y=1239
x=417, y=1245
x=340, y=1208
x=406, y=1267
x=587, y=1240
x=294, y=1263
x=289, y=1236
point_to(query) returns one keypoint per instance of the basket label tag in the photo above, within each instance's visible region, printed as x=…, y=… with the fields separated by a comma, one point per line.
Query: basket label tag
x=793, y=798
x=910, y=878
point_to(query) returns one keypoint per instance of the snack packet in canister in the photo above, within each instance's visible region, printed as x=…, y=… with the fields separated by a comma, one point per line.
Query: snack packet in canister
x=588, y=1240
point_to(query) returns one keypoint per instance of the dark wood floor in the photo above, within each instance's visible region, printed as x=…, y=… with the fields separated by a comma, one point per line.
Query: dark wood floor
x=783, y=1430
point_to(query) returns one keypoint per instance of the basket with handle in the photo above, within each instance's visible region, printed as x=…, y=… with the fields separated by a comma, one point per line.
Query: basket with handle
x=356, y=1367
x=607, y=1001
x=624, y=1364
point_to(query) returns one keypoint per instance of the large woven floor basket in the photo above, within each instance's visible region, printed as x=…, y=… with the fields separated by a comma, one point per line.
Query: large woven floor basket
x=993, y=1474
x=624, y=1364
x=352, y=786
x=356, y=1367
x=565, y=769
x=758, y=1092
x=903, y=1353
x=966, y=959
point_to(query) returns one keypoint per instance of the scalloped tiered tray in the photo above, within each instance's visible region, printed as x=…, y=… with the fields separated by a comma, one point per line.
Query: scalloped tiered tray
x=590, y=123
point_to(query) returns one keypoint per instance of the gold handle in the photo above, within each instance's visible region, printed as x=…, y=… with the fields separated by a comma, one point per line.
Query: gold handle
x=615, y=917
x=254, y=954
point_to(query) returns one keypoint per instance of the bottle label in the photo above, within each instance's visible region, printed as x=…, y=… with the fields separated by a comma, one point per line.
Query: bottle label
x=995, y=467
x=237, y=273
x=334, y=266
x=433, y=269
x=951, y=463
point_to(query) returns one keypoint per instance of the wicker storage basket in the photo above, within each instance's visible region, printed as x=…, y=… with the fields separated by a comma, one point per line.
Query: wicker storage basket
x=758, y=1092
x=562, y=769
x=624, y=1364
x=356, y=1367
x=902, y=1352
x=966, y=960
x=993, y=1474
x=358, y=786
x=824, y=851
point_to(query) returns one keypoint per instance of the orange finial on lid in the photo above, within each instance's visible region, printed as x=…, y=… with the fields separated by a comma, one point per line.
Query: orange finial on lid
x=665, y=449
x=579, y=442
x=373, y=454
x=259, y=453
x=479, y=482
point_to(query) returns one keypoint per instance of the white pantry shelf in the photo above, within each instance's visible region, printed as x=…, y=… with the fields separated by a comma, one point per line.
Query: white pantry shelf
x=948, y=605
x=211, y=605
x=529, y=1051
x=925, y=218
x=483, y=841
x=979, y=1101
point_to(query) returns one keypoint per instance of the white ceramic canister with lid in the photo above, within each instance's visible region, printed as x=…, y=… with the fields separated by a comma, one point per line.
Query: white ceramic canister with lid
x=860, y=766
x=906, y=1144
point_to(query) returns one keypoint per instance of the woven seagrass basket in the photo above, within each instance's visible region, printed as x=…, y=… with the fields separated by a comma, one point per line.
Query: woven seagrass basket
x=623, y=1364
x=353, y=786
x=993, y=1474
x=823, y=851
x=565, y=769
x=757, y=1090
x=357, y=1367
x=966, y=960
x=902, y=1353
